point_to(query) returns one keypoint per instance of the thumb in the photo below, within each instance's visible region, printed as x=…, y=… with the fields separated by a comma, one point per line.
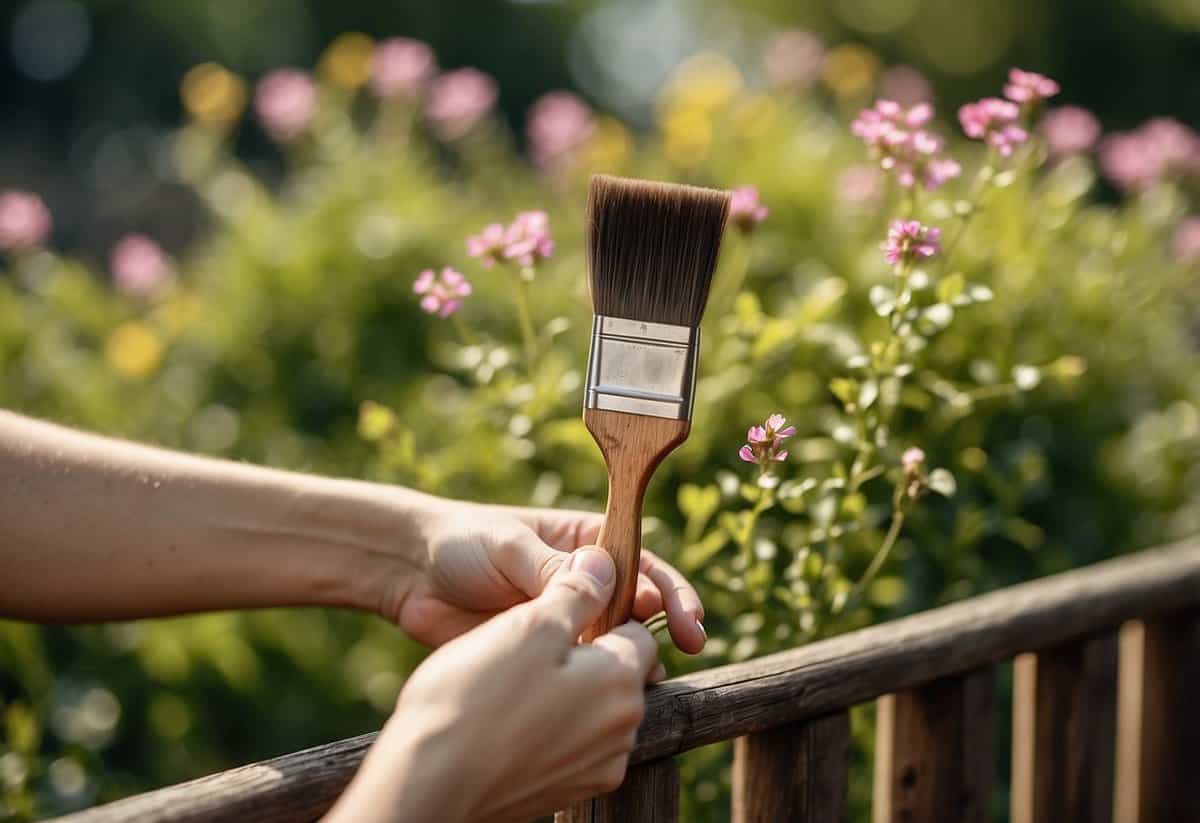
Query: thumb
x=579, y=591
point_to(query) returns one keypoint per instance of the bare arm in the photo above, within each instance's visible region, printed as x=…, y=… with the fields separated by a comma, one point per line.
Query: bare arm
x=93, y=528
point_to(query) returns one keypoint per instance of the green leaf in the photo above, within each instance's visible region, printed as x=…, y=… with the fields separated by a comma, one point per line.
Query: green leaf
x=1026, y=377
x=698, y=503
x=867, y=394
x=844, y=389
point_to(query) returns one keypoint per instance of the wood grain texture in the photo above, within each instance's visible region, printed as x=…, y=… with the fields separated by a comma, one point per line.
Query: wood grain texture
x=633, y=445
x=804, y=683
x=650, y=794
x=796, y=772
x=1158, y=721
x=933, y=752
x=1064, y=732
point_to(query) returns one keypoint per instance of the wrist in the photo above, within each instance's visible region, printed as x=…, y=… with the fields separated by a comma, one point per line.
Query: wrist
x=369, y=542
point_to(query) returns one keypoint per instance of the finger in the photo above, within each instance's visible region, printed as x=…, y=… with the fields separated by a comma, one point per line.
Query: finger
x=433, y=622
x=579, y=591
x=528, y=562
x=680, y=602
x=648, y=600
x=628, y=646
x=563, y=529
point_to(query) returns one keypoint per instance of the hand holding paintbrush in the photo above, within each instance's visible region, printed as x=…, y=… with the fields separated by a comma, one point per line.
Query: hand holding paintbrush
x=652, y=249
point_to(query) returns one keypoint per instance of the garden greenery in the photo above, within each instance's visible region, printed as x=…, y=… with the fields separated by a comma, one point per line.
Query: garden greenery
x=976, y=363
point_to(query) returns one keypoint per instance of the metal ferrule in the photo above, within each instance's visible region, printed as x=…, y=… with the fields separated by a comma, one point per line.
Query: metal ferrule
x=642, y=368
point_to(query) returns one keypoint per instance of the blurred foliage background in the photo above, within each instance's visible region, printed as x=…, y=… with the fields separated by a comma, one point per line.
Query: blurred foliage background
x=281, y=326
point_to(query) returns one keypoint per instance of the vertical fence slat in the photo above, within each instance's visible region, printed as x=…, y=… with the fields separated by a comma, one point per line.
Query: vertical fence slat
x=933, y=752
x=1158, y=721
x=1064, y=732
x=650, y=794
x=795, y=772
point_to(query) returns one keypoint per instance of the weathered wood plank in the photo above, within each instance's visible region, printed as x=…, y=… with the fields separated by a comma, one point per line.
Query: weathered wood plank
x=730, y=701
x=650, y=794
x=1158, y=721
x=1064, y=732
x=933, y=752
x=796, y=772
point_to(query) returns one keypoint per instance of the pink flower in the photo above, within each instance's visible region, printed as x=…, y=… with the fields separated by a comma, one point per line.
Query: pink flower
x=912, y=460
x=993, y=121
x=24, y=221
x=458, y=100
x=488, y=245
x=1157, y=150
x=1029, y=86
x=905, y=85
x=1185, y=242
x=744, y=209
x=793, y=59
x=558, y=123
x=139, y=266
x=442, y=295
x=908, y=241
x=401, y=68
x=1069, y=130
x=527, y=239
x=765, y=443
x=896, y=137
x=286, y=102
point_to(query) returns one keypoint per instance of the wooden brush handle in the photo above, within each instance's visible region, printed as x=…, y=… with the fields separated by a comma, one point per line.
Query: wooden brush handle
x=633, y=445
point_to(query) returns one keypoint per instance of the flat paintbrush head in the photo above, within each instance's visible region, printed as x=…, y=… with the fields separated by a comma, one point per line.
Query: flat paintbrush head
x=652, y=248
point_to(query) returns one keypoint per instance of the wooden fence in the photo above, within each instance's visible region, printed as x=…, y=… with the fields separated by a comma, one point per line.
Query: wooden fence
x=1106, y=718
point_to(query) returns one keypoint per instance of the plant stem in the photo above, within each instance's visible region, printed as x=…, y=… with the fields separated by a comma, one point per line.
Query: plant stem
x=885, y=549
x=525, y=319
x=464, y=333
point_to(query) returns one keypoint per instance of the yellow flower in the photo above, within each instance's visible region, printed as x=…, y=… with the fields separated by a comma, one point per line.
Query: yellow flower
x=214, y=96
x=850, y=70
x=609, y=146
x=706, y=81
x=347, y=61
x=133, y=350
x=687, y=137
x=375, y=421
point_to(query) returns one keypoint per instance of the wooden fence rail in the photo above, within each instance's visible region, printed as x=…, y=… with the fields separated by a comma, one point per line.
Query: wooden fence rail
x=787, y=712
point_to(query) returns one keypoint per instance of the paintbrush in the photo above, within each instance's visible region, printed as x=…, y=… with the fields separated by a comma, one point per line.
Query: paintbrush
x=652, y=248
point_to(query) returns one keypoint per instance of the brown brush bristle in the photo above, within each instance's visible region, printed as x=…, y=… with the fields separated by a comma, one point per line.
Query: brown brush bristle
x=652, y=248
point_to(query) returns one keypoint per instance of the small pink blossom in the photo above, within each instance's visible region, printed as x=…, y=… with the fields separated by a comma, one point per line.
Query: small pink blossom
x=458, y=100
x=526, y=240
x=1185, y=242
x=744, y=209
x=558, y=124
x=139, y=266
x=1069, y=130
x=908, y=241
x=442, y=295
x=1159, y=149
x=286, y=102
x=24, y=221
x=1029, y=86
x=993, y=121
x=401, y=68
x=765, y=443
x=912, y=460
x=897, y=138
x=792, y=59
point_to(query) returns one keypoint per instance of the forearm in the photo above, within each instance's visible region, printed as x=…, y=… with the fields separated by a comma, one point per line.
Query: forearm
x=93, y=528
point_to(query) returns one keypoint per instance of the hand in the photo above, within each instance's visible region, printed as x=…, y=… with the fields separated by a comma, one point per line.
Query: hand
x=512, y=720
x=481, y=560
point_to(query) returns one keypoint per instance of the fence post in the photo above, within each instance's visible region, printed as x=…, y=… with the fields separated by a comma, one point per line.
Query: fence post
x=795, y=772
x=1064, y=732
x=650, y=794
x=933, y=752
x=1158, y=721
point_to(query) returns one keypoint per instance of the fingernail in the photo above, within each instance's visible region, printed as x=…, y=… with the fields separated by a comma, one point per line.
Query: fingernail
x=659, y=674
x=700, y=626
x=593, y=563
